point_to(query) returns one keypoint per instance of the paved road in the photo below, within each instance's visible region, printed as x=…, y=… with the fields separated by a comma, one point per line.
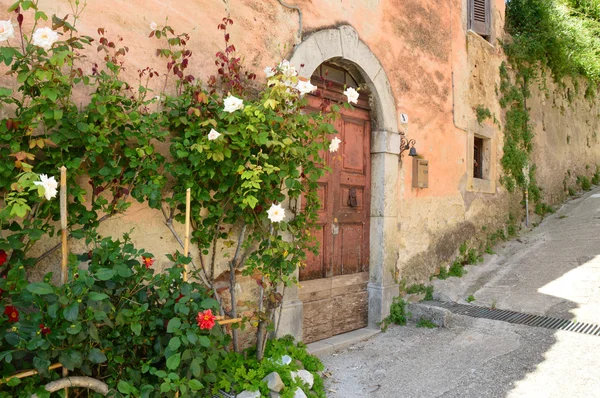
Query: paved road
x=553, y=270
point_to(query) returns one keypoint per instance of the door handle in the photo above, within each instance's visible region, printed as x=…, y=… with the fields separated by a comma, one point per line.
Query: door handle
x=352, y=201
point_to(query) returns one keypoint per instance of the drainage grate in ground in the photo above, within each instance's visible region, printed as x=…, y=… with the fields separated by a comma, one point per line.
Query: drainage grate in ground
x=518, y=317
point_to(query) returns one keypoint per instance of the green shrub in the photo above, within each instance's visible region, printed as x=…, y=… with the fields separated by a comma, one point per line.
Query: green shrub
x=245, y=372
x=443, y=274
x=542, y=209
x=398, y=314
x=584, y=183
x=457, y=269
x=482, y=113
x=426, y=323
x=473, y=257
x=420, y=288
x=596, y=177
x=114, y=320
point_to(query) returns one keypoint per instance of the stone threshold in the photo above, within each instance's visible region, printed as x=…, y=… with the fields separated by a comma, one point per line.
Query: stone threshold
x=341, y=341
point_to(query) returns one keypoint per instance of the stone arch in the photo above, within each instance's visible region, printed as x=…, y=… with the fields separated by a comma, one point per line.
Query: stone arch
x=344, y=45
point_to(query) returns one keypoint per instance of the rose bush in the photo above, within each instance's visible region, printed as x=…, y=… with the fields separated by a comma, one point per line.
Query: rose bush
x=115, y=320
x=251, y=155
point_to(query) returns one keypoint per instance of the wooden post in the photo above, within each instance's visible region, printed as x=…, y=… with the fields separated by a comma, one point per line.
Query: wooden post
x=186, y=239
x=64, y=272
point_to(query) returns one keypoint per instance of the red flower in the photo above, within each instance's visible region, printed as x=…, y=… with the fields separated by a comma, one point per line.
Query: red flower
x=3, y=257
x=148, y=261
x=206, y=320
x=12, y=312
x=45, y=330
x=178, y=298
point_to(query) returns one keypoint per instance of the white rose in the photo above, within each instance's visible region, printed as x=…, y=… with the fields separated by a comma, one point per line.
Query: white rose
x=153, y=26
x=213, y=135
x=305, y=87
x=7, y=30
x=45, y=38
x=50, y=186
x=276, y=213
x=287, y=69
x=352, y=95
x=269, y=72
x=335, y=144
x=232, y=104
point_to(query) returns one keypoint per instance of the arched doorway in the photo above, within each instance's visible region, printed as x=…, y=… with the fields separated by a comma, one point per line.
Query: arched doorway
x=334, y=283
x=343, y=45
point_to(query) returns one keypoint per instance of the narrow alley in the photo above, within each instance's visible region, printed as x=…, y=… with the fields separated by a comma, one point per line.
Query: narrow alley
x=553, y=270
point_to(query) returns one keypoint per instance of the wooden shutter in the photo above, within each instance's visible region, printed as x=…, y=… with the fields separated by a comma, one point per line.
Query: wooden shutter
x=479, y=16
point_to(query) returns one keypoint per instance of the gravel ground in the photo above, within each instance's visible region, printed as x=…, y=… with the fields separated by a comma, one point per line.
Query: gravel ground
x=553, y=270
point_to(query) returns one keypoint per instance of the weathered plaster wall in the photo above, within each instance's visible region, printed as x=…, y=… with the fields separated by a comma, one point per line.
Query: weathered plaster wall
x=566, y=143
x=438, y=72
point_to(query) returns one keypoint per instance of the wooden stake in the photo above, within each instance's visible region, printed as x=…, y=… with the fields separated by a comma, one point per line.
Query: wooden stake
x=63, y=224
x=186, y=239
x=28, y=373
x=64, y=272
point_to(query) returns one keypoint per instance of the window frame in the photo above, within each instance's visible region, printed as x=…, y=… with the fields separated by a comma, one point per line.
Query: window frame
x=484, y=29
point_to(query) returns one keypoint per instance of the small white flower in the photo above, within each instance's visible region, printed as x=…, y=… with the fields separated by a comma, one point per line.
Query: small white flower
x=153, y=26
x=276, y=213
x=213, y=135
x=45, y=38
x=269, y=72
x=335, y=144
x=352, y=95
x=287, y=69
x=232, y=104
x=50, y=186
x=7, y=30
x=305, y=87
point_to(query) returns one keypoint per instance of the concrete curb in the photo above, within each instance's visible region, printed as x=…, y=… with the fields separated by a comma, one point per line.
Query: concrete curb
x=440, y=316
x=341, y=341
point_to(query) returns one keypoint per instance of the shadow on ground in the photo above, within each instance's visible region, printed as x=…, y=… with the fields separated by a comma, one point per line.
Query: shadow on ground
x=553, y=270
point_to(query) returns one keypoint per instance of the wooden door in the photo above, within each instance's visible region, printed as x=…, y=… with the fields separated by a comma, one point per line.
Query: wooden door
x=334, y=283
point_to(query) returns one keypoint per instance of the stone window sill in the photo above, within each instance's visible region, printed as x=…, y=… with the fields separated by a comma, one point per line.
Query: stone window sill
x=482, y=186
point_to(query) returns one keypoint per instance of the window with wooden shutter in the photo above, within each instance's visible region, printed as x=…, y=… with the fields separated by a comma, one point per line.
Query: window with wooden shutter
x=479, y=17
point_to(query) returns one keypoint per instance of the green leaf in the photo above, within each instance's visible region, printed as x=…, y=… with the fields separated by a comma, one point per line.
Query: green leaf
x=174, y=343
x=40, y=288
x=173, y=325
x=93, y=331
x=13, y=382
x=211, y=363
x=105, y=274
x=192, y=337
x=209, y=303
x=41, y=364
x=195, y=385
x=204, y=341
x=173, y=361
x=124, y=387
x=97, y=296
x=136, y=328
x=196, y=368
x=71, y=359
x=71, y=312
x=164, y=387
x=97, y=356
x=58, y=114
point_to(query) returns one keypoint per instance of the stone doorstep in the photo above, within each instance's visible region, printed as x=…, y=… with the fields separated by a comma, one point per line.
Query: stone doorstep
x=341, y=341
